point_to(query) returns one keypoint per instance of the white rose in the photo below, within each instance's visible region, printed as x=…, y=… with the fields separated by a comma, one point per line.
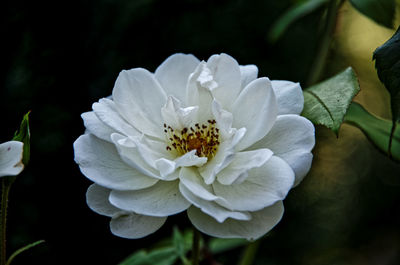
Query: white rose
x=207, y=137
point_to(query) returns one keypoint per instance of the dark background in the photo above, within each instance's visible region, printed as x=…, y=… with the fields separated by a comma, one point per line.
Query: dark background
x=59, y=57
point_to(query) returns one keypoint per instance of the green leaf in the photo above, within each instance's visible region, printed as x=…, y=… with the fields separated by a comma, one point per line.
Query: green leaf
x=179, y=242
x=326, y=103
x=296, y=12
x=376, y=129
x=160, y=256
x=23, y=135
x=381, y=11
x=19, y=251
x=387, y=63
x=218, y=245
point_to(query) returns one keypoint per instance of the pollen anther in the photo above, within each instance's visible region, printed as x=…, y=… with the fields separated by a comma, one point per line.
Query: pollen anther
x=204, y=138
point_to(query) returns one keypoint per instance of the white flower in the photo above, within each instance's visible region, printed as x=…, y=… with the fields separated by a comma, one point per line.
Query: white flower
x=11, y=158
x=207, y=137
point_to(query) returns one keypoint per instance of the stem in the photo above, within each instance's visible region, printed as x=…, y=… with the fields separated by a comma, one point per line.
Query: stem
x=323, y=49
x=196, y=247
x=391, y=139
x=5, y=189
x=249, y=253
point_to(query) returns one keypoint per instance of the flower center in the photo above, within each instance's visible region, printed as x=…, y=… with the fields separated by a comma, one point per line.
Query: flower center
x=204, y=138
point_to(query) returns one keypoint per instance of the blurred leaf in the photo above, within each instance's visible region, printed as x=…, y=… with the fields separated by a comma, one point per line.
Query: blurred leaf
x=19, y=251
x=24, y=135
x=376, y=129
x=180, y=245
x=387, y=63
x=160, y=256
x=381, y=11
x=218, y=245
x=179, y=242
x=296, y=12
x=326, y=103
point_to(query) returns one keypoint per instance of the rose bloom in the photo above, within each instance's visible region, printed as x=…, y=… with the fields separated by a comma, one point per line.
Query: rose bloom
x=207, y=137
x=11, y=158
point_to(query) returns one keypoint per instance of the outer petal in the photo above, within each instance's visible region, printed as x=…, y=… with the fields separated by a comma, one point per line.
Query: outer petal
x=11, y=158
x=100, y=162
x=173, y=74
x=107, y=112
x=213, y=210
x=133, y=226
x=292, y=138
x=261, y=222
x=96, y=126
x=249, y=73
x=241, y=163
x=264, y=186
x=139, y=99
x=97, y=200
x=226, y=73
x=289, y=96
x=255, y=109
x=162, y=199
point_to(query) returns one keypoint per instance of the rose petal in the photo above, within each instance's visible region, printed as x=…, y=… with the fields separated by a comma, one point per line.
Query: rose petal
x=241, y=163
x=97, y=200
x=255, y=109
x=100, y=162
x=107, y=112
x=289, y=97
x=134, y=226
x=261, y=222
x=199, y=92
x=139, y=98
x=96, y=127
x=173, y=74
x=161, y=199
x=292, y=138
x=212, y=209
x=263, y=187
x=248, y=73
x=226, y=73
x=222, y=158
x=11, y=158
x=177, y=117
x=139, y=153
